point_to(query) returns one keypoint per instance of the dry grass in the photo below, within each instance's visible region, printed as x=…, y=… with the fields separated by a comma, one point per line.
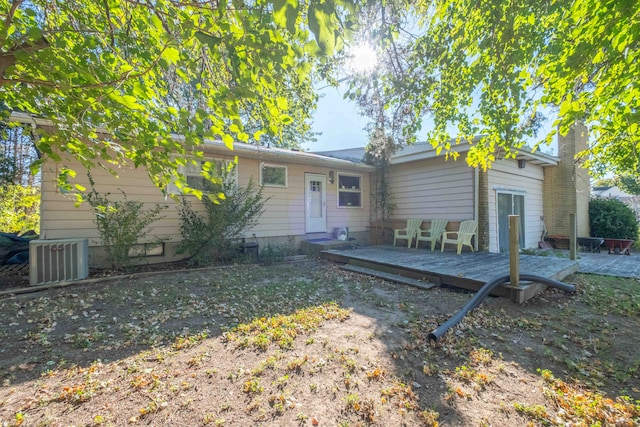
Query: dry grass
x=308, y=344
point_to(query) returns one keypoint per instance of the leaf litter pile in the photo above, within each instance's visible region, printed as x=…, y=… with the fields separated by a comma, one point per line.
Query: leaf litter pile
x=307, y=344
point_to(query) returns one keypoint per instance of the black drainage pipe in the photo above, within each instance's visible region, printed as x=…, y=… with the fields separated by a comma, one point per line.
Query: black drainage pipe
x=485, y=291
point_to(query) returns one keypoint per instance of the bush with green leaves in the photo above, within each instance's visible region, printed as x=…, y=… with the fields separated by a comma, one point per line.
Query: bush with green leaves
x=121, y=223
x=213, y=234
x=19, y=208
x=611, y=218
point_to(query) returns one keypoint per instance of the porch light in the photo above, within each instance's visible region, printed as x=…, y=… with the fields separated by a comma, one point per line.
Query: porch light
x=522, y=163
x=331, y=177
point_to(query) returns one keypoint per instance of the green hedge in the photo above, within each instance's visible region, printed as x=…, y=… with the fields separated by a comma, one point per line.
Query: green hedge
x=610, y=218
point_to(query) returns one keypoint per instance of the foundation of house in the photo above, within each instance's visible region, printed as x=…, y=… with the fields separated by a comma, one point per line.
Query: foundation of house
x=314, y=247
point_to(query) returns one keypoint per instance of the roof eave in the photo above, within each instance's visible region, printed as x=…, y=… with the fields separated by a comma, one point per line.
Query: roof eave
x=267, y=154
x=424, y=151
x=239, y=149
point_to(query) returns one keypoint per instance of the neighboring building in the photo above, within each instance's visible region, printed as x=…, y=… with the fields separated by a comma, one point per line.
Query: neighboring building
x=633, y=201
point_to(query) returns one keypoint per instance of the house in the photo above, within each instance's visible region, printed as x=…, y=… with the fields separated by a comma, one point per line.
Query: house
x=309, y=196
x=312, y=195
x=542, y=189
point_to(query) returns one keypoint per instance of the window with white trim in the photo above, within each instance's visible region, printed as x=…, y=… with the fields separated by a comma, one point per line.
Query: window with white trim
x=273, y=175
x=349, y=191
x=197, y=174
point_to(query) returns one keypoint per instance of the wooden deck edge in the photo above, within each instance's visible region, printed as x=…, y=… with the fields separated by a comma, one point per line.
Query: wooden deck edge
x=334, y=257
x=560, y=275
x=518, y=294
x=388, y=276
x=473, y=285
x=523, y=292
x=396, y=270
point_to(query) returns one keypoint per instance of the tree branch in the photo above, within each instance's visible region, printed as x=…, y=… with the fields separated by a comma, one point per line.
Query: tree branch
x=7, y=21
x=8, y=58
x=112, y=32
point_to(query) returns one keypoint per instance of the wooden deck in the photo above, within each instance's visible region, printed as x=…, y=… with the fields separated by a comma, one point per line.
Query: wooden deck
x=467, y=270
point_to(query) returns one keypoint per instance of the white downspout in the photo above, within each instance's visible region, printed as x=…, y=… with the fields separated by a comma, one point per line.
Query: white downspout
x=476, y=195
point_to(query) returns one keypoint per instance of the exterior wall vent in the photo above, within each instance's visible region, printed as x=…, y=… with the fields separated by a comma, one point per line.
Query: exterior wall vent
x=60, y=260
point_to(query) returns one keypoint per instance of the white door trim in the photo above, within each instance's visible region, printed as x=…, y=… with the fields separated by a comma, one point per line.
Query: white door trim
x=315, y=203
x=503, y=232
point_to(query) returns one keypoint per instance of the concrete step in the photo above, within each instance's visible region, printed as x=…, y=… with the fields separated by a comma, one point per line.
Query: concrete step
x=388, y=276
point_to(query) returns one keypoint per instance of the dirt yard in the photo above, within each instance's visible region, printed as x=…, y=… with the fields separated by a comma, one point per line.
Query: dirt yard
x=306, y=344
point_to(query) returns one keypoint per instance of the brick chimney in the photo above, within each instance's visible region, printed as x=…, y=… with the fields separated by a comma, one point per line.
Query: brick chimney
x=566, y=186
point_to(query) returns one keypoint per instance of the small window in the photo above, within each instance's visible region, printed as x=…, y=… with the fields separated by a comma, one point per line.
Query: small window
x=349, y=191
x=146, y=249
x=273, y=175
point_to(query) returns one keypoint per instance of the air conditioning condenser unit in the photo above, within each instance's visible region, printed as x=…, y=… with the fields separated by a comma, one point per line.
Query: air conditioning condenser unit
x=59, y=260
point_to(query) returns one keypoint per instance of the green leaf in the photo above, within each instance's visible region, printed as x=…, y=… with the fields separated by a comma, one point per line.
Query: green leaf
x=531, y=19
x=228, y=141
x=171, y=54
x=282, y=103
x=279, y=12
x=321, y=25
x=208, y=39
x=129, y=102
x=285, y=13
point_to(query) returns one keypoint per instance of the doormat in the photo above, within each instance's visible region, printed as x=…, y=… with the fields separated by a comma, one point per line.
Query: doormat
x=321, y=239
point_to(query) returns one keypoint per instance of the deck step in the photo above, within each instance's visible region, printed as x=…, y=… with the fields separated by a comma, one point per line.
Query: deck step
x=388, y=276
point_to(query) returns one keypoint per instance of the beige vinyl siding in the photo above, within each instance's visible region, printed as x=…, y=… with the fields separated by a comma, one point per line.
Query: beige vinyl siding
x=61, y=219
x=505, y=176
x=433, y=189
x=285, y=210
x=284, y=213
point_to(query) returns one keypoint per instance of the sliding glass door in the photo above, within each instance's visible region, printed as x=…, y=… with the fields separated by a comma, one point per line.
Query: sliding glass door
x=509, y=204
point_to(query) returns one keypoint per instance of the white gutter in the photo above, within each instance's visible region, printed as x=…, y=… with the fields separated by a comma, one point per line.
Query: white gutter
x=278, y=154
x=422, y=151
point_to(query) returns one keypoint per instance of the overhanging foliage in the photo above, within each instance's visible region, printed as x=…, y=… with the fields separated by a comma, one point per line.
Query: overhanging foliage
x=105, y=73
x=496, y=68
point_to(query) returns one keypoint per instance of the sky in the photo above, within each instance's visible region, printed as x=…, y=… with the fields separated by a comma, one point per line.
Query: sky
x=339, y=123
x=341, y=126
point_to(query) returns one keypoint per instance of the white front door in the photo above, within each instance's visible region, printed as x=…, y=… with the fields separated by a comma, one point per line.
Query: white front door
x=315, y=195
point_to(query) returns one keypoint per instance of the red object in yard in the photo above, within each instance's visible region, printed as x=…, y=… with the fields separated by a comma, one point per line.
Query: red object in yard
x=558, y=241
x=618, y=246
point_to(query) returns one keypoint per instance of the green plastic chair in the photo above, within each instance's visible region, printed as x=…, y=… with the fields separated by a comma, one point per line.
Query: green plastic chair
x=408, y=233
x=433, y=234
x=462, y=237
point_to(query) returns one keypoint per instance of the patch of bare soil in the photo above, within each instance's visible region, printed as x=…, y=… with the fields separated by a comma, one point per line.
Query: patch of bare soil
x=300, y=344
